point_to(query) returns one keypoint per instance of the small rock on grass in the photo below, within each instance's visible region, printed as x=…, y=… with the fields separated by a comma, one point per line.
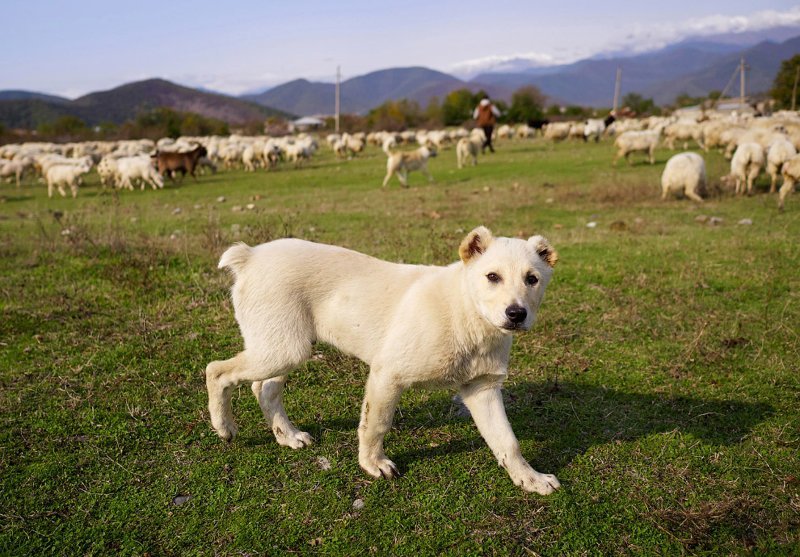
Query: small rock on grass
x=323, y=463
x=591, y=224
x=746, y=222
x=358, y=504
x=179, y=500
x=221, y=199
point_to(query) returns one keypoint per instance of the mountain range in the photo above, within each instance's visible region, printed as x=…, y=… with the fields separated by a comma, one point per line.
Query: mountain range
x=25, y=109
x=692, y=66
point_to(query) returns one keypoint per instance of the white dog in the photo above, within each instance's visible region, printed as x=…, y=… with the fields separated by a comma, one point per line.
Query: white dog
x=416, y=326
x=467, y=148
x=401, y=163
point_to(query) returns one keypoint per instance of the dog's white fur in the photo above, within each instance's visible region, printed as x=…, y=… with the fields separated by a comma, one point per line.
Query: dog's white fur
x=416, y=326
x=401, y=163
x=467, y=148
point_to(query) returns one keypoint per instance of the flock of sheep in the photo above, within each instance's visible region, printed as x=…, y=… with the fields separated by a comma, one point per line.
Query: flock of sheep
x=753, y=145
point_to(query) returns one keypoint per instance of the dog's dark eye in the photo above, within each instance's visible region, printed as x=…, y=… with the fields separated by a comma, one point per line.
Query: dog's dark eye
x=531, y=280
x=493, y=277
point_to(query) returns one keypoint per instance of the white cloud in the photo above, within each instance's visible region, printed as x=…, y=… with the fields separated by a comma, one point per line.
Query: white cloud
x=499, y=62
x=645, y=38
x=636, y=39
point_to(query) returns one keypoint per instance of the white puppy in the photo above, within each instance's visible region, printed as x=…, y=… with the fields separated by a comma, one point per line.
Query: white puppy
x=415, y=325
x=467, y=148
x=401, y=163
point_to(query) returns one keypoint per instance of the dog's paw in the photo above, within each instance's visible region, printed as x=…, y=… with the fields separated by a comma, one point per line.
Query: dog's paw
x=380, y=468
x=226, y=430
x=535, y=482
x=295, y=439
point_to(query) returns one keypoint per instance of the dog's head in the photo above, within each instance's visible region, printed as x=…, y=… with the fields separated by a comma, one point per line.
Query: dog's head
x=506, y=277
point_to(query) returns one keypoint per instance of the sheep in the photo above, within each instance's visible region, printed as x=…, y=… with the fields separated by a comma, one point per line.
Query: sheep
x=523, y=131
x=791, y=175
x=594, y=128
x=684, y=172
x=16, y=168
x=683, y=130
x=577, y=131
x=746, y=165
x=779, y=152
x=637, y=141
x=139, y=167
x=465, y=148
x=557, y=131
x=503, y=132
x=60, y=175
x=107, y=170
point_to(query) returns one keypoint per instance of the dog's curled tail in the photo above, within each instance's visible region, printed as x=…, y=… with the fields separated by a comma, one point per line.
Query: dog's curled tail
x=235, y=257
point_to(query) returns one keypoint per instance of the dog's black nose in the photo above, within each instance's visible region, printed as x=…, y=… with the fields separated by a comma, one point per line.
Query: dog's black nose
x=516, y=314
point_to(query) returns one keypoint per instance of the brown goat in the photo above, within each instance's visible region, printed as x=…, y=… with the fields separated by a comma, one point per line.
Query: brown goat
x=169, y=163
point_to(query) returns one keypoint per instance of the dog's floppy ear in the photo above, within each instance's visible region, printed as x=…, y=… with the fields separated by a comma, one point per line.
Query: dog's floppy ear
x=544, y=249
x=475, y=243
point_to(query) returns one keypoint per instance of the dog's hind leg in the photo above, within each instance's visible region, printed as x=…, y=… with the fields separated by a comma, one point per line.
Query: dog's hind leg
x=223, y=376
x=386, y=179
x=270, y=397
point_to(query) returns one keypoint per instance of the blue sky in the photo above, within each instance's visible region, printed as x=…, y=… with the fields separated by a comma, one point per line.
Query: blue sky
x=71, y=48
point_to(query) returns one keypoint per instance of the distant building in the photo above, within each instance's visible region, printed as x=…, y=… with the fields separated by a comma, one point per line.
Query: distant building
x=306, y=123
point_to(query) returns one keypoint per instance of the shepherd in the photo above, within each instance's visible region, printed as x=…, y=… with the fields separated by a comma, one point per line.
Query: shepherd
x=486, y=115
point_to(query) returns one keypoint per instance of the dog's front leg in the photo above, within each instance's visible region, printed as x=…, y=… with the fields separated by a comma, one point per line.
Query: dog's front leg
x=377, y=412
x=485, y=403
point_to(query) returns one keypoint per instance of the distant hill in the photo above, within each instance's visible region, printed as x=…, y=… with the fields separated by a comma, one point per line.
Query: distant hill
x=763, y=61
x=362, y=93
x=19, y=95
x=693, y=67
x=126, y=101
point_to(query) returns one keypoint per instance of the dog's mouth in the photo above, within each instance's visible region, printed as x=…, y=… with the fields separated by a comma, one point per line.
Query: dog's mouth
x=514, y=327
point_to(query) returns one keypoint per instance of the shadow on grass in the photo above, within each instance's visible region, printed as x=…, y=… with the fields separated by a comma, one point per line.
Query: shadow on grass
x=568, y=420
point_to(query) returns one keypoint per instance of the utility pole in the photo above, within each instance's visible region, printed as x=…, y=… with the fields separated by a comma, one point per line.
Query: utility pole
x=338, y=79
x=741, y=84
x=794, y=89
x=617, y=84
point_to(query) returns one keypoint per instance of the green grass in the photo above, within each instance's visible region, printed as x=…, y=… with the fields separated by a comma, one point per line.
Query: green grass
x=660, y=384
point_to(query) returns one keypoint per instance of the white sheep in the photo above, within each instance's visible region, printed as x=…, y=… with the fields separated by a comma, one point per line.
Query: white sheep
x=686, y=173
x=594, y=128
x=557, y=131
x=467, y=148
x=60, y=175
x=16, y=168
x=637, y=141
x=138, y=168
x=791, y=175
x=746, y=165
x=779, y=152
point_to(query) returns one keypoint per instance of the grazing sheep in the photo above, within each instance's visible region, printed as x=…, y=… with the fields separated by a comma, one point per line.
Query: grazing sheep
x=746, y=165
x=107, y=170
x=60, y=175
x=779, y=152
x=791, y=175
x=637, y=141
x=684, y=172
x=466, y=148
x=16, y=168
x=138, y=168
x=557, y=131
x=594, y=128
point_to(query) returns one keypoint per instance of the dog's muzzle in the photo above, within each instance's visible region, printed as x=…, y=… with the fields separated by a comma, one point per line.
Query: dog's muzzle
x=516, y=316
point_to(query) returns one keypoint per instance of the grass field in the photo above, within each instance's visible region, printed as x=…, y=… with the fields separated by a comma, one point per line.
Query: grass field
x=661, y=383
